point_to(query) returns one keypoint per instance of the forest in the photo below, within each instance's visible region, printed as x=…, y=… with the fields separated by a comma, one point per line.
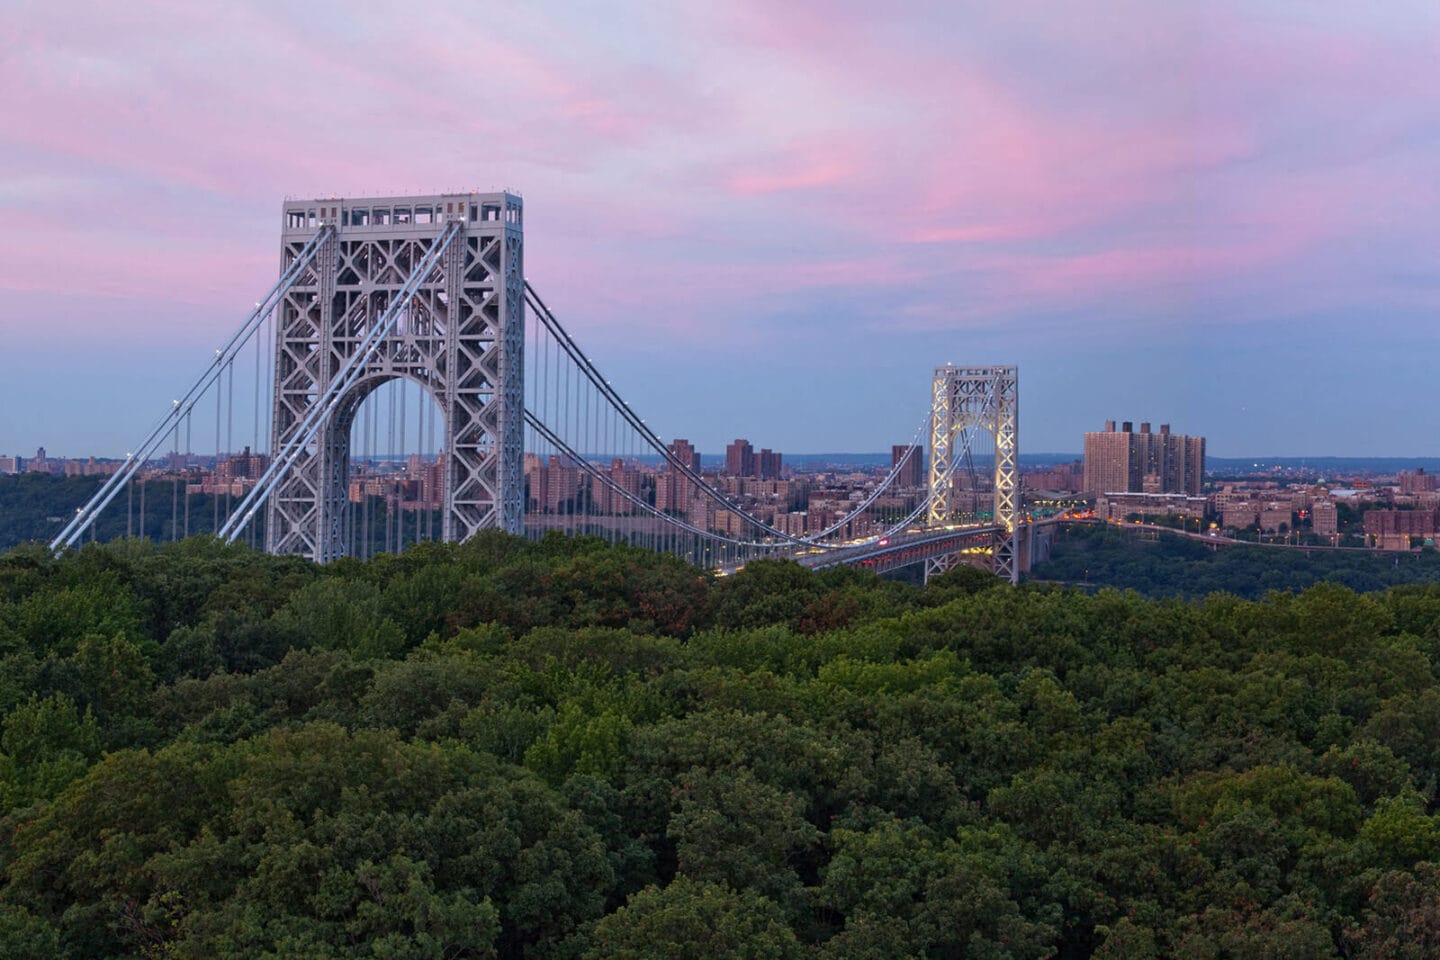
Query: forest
x=566, y=749
x=1160, y=565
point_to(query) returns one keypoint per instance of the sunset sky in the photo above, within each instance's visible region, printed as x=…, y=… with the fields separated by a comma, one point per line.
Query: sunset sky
x=767, y=219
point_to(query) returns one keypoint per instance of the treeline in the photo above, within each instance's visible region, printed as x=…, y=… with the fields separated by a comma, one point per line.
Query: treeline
x=1158, y=565
x=569, y=750
x=37, y=506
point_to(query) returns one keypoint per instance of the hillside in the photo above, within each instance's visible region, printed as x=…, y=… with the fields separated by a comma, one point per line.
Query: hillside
x=569, y=750
x=1170, y=566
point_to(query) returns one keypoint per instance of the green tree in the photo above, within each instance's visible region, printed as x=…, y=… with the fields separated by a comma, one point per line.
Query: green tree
x=1400, y=830
x=1402, y=917
x=45, y=745
x=26, y=937
x=692, y=918
x=732, y=830
x=342, y=614
x=933, y=898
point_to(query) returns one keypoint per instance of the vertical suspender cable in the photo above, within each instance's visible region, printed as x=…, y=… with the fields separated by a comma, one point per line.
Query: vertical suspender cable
x=187, y=473
x=389, y=473
x=562, y=412
x=368, y=434
x=587, y=449
x=175, y=481
x=422, y=516
x=255, y=406
x=404, y=453
x=215, y=467
x=229, y=424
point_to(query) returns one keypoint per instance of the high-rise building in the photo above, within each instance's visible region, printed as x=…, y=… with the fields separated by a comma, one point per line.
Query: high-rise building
x=673, y=490
x=740, y=459
x=685, y=452
x=563, y=493
x=1124, y=461
x=611, y=497
x=1108, y=461
x=670, y=490
x=556, y=486
x=432, y=482
x=768, y=464
x=913, y=475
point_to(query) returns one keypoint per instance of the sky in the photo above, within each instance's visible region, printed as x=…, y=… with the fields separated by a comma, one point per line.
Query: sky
x=760, y=219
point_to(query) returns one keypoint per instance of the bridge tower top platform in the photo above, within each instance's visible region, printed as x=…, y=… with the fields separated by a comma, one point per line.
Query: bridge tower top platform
x=392, y=216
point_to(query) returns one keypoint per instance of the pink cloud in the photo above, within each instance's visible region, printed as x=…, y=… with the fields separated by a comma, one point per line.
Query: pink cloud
x=808, y=168
x=768, y=149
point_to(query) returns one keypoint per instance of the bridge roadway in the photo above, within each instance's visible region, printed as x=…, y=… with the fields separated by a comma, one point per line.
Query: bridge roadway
x=919, y=544
x=902, y=549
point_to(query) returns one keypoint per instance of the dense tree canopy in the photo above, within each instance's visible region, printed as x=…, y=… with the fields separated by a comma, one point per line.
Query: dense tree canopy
x=1163, y=565
x=563, y=749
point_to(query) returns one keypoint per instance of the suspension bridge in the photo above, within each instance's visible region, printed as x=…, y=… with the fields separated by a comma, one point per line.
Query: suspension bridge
x=403, y=330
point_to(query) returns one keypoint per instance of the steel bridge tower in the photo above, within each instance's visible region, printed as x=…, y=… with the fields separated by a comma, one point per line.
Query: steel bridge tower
x=963, y=398
x=461, y=338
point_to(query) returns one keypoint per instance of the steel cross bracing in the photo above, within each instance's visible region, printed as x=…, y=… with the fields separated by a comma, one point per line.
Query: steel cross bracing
x=300, y=261
x=318, y=426
x=460, y=336
x=987, y=397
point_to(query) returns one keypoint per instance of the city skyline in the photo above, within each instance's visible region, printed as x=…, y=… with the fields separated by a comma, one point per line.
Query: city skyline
x=1214, y=216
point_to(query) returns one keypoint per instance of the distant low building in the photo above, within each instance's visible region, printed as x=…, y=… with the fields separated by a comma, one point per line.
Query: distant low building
x=1239, y=514
x=1059, y=478
x=1392, y=529
x=1275, y=515
x=91, y=467
x=1417, y=481
x=1324, y=518
x=1118, y=506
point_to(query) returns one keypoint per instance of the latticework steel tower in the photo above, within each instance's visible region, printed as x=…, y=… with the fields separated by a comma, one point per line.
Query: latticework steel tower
x=963, y=398
x=461, y=338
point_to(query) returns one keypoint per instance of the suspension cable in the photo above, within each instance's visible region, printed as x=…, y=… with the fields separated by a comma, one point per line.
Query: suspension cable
x=135, y=460
x=564, y=340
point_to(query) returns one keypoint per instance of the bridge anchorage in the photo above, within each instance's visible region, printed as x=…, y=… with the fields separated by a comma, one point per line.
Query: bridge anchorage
x=427, y=295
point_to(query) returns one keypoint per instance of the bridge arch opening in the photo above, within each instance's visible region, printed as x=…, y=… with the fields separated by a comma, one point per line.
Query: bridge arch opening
x=391, y=480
